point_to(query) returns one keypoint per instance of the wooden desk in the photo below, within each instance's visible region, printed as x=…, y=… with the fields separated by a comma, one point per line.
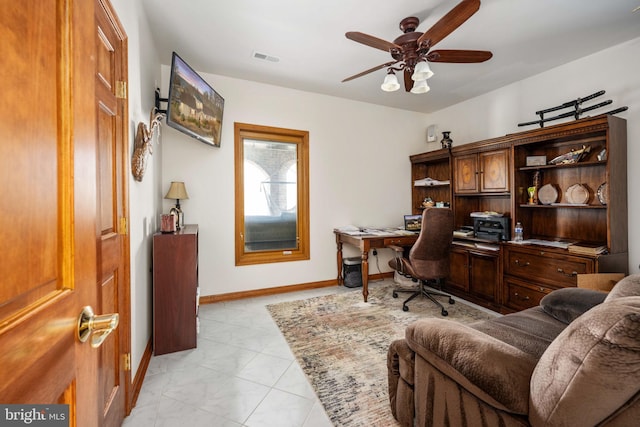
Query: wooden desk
x=365, y=243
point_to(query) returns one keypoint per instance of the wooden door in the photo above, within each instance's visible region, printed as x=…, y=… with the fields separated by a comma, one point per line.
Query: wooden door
x=466, y=173
x=113, y=279
x=494, y=171
x=48, y=204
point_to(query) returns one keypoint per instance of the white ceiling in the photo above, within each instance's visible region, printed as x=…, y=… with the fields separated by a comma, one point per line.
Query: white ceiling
x=526, y=37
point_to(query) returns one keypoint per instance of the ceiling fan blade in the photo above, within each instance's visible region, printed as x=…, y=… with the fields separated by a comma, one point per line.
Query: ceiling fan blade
x=408, y=82
x=449, y=22
x=372, y=41
x=370, y=70
x=459, y=56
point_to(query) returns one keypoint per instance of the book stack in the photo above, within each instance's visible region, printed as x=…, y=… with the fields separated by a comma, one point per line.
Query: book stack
x=429, y=182
x=588, y=248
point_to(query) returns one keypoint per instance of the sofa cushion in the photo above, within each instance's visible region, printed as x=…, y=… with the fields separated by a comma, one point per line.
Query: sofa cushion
x=594, y=365
x=530, y=331
x=567, y=304
x=629, y=286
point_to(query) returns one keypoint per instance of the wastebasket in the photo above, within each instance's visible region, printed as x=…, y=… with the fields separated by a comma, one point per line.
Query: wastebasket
x=352, y=272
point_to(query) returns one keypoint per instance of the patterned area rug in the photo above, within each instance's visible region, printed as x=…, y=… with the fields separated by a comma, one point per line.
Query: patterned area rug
x=341, y=344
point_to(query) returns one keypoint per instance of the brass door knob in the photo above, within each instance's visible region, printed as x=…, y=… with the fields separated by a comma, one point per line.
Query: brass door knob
x=96, y=327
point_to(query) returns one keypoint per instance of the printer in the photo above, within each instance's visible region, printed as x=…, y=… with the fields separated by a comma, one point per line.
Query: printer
x=492, y=228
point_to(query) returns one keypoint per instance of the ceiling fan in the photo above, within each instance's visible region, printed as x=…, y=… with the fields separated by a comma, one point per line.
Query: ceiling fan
x=411, y=51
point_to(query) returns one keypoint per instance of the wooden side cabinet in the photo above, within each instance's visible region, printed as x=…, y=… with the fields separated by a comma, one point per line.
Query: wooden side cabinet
x=175, y=290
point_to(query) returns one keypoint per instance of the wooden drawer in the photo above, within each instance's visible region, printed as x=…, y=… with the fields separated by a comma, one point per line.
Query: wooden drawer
x=521, y=296
x=543, y=266
x=400, y=240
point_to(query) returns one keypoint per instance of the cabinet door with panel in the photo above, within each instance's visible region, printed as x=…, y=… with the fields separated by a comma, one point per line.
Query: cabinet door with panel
x=485, y=172
x=459, y=269
x=475, y=274
x=494, y=171
x=484, y=275
x=466, y=173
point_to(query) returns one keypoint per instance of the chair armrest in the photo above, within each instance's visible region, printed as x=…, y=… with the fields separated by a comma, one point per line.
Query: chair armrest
x=493, y=371
x=396, y=248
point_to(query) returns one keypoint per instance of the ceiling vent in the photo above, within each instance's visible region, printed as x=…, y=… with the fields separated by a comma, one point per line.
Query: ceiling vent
x=265, y=57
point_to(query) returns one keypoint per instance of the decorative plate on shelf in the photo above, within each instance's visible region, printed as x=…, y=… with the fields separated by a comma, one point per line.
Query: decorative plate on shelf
x=547, y=194
x=603, y=193
x=577, y=194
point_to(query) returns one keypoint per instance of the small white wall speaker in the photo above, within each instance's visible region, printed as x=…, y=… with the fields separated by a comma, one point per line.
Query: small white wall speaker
x=431, y=133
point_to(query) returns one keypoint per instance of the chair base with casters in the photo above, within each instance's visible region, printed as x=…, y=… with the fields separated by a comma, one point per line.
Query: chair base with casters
x=421, y=291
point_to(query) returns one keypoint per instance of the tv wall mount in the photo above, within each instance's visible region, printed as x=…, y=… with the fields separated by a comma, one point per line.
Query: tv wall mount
x=159, y=99
x=576, y=109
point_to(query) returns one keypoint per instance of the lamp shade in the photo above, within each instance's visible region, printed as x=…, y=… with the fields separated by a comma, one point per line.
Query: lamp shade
x=390, y=83
x=177, y=191
x=422, y=71
x=420, y=86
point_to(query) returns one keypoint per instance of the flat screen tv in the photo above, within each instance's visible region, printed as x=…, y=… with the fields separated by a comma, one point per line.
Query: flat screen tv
x=193, y=107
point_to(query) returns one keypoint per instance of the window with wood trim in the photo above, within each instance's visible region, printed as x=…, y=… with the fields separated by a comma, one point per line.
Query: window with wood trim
x=272, y=194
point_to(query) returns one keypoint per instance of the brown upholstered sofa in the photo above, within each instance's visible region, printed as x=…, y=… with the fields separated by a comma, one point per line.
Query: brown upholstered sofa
x=572, y=361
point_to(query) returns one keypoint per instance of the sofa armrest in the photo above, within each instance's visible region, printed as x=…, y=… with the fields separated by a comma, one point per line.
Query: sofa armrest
x=493, y=371
x=400, y=374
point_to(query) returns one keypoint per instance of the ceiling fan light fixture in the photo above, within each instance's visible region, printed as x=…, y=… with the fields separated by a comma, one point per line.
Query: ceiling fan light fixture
x=422, y=71
x=420, y=86
x=390, y=83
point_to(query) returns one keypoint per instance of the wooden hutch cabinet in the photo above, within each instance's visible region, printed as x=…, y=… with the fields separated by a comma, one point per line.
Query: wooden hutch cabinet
x=597, y=216
x=494, y=175
x=175, y=290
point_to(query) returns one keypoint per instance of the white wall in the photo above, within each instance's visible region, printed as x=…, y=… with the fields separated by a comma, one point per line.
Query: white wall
x=359, y=174
x=144, y=197
x=497, y=113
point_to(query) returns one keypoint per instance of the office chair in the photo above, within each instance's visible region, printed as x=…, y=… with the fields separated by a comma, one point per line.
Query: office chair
x=428, y=261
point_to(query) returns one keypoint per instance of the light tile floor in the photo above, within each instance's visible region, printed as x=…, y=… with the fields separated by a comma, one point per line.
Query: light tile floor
x=241, y=374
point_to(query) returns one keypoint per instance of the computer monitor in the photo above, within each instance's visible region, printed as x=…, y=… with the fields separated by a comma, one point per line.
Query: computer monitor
x=413, y=223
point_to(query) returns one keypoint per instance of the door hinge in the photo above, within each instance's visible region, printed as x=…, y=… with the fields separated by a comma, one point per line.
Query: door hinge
x=123, y=226
x=126, y=359
x=121, y=89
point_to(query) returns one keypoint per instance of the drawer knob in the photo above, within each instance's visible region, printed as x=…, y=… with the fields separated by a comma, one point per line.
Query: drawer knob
x=573, y=273
x=524, y=298
x=523, y=264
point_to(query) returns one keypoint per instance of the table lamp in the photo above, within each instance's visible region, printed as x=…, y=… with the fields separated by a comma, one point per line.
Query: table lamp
x=177, y=191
